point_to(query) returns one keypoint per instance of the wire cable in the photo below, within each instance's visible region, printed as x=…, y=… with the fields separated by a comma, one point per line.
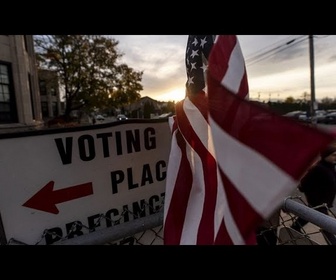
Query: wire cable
x=277, y=49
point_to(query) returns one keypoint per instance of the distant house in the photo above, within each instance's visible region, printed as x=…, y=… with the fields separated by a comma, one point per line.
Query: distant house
x=145, y=107
x=50, y=94
x=20, y=104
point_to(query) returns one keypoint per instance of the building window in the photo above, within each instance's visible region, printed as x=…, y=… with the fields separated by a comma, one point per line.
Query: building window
x=8, y=112
x=44, y=108
x=52, y=91
x=55, y=109
x=31, y=95
x=43, y=87
x=25, y=42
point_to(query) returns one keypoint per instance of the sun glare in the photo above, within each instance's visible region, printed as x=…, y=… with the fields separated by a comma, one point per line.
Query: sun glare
x=174, y=95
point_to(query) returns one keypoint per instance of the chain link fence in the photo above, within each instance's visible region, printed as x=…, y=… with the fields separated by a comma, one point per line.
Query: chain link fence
x=145, y=227
x=310, y=234
x=148, y=230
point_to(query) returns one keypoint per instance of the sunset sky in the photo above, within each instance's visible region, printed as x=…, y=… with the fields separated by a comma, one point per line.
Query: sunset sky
x=278, y=66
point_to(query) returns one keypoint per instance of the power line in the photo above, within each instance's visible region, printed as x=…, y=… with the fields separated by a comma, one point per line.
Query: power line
x=276, y=44
x=258, y=56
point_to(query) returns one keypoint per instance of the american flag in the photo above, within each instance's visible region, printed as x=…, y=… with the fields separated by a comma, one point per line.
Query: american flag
x=232, y=162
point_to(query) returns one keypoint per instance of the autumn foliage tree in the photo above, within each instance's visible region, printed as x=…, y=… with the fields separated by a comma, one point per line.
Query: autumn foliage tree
x=88, y=70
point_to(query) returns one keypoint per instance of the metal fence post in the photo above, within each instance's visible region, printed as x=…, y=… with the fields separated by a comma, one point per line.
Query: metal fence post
x=311, y=215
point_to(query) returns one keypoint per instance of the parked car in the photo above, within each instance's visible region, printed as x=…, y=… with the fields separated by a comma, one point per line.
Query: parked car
x=165, y=115
x=329, y=118
x=298, y=115
x=121, y=117
x=100, y=118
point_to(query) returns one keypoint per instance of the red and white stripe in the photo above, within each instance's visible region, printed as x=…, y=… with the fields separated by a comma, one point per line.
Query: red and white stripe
x=232, y=162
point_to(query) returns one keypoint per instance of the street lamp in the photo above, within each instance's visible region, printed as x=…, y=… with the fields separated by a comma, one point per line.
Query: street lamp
x=313, y=104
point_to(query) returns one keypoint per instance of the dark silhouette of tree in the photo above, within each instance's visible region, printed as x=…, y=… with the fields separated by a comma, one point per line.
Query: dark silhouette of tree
x=88, y=70
x=169, y=108
x=289, y=100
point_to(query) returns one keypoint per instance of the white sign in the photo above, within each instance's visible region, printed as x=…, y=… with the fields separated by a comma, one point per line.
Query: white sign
x=52, y=179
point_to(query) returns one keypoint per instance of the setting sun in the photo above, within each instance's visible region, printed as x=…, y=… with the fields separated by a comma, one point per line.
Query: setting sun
x=174, y=95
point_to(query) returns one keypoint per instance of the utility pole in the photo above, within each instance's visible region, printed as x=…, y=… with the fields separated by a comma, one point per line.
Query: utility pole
x=313, y=104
